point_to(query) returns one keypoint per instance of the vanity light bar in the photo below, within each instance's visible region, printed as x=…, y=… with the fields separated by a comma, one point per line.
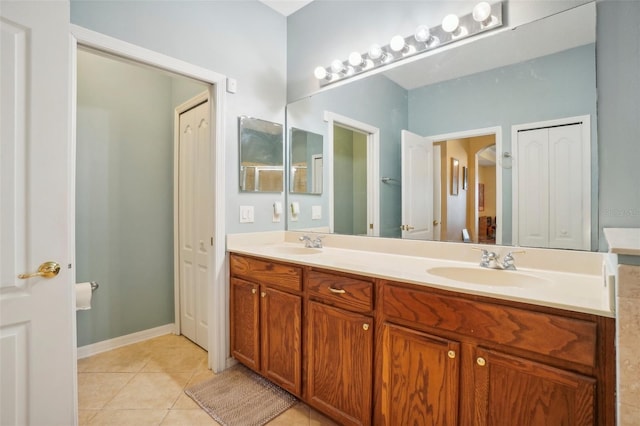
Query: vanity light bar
x=484, y=17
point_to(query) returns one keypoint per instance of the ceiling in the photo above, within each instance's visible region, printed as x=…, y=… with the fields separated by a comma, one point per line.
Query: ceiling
x=286, y=7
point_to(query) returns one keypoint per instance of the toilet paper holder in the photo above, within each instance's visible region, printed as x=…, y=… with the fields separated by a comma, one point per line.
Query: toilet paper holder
x=94, y=286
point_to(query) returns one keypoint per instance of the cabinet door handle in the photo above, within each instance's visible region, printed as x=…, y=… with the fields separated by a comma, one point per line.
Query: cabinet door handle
x=481, y=361
x=451, y=354
x=365, y=327
x=263, y=294
x=337, y=290
x=254, y=291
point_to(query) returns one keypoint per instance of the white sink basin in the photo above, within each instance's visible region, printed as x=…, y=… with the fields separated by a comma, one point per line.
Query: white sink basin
x=296, y=250
x=489, y=277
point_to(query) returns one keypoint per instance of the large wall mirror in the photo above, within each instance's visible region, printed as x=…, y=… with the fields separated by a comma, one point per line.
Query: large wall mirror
x=472, y=103
x=261, y=155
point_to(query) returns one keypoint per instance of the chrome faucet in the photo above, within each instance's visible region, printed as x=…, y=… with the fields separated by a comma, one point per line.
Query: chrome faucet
x=309, y=243
x=491, y=260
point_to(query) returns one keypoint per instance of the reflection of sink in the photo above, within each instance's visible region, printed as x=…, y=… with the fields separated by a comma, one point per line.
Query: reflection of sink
x=491, y=277
x=296, y=250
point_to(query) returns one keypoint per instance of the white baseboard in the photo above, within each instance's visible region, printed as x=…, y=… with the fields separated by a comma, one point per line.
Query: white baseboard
x=107, y=345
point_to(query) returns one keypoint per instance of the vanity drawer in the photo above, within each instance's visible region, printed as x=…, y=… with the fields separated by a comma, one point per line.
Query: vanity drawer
x=347, y=292
x=265, y=272
x=564, y=338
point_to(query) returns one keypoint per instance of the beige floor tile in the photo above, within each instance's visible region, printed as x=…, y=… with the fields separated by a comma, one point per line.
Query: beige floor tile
x=129, y=417
x=298, y=415
x=185, y=403
x=97, y=389
x=84, y=416
x=120, y=360
x=150, y=390
x=188, y=418
x=179, y=358
x=200, y=376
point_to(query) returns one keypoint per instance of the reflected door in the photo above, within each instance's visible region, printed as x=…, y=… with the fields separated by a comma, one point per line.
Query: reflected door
x=417, y=187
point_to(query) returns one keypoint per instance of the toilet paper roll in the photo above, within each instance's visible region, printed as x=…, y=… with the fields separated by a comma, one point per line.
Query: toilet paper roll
x=83, y=296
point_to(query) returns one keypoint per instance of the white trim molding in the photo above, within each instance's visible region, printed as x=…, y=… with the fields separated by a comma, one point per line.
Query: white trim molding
x=128, y=339
x=373, y=167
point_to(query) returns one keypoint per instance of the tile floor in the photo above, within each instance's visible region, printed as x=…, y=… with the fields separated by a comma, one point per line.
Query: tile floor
x=143, y=384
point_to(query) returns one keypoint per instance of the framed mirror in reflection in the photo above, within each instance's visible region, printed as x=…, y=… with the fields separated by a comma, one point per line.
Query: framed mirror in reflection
x=473, y=103
x=306, y=159
x=261, y=155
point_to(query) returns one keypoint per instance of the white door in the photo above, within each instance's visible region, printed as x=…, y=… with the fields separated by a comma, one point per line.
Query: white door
x=437, y=193
x=553, y=187
x=417, y=186
x=194, y=211
x=566, y=188
x=533, y=188
x=37, y=315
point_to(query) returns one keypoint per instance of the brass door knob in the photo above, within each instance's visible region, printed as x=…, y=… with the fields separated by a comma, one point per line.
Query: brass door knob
x=436, y=223
x=46, y=270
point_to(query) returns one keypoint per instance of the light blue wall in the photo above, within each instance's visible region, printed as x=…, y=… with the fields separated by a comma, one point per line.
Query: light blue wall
x=618, y=62
x=388, y=113
x=245, y=40
x=124, y=195
x=546, y=88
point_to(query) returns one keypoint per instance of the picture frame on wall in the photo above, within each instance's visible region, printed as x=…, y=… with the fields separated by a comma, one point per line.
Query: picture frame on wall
x=465, y=171
x=455, y=173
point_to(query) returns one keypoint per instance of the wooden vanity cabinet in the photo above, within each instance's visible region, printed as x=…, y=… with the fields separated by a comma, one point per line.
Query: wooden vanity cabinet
x=450, y=359
x=339, y=348
x=266, y=319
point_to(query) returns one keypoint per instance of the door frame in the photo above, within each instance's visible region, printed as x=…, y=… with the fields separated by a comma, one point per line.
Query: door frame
x=373, y=167
x=218, y=358
x=585, y=121
x=497, y=131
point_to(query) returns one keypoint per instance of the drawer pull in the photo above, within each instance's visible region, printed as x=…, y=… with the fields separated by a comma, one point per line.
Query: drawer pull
x=337, y=290
x=365, y=327
x=451, y=354
x=263, y=294
x=254, y=291
x=481, y=361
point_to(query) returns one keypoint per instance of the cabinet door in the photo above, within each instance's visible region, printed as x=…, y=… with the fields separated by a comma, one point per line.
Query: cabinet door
x=281, y=319
x=515, y=391
x=245, y=317
x=340, y=351
x=420, y=376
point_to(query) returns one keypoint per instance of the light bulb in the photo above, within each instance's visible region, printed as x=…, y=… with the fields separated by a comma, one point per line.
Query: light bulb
x=397, y=43
x=375, y=51
x=320, y=73
x=422, y=34
x=355, y=59
x=482, y=13
x=450, y=23
x=337, y=66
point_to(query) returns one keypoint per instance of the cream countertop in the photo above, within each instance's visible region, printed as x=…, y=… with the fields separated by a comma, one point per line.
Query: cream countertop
x=624, y=241
x=568, y=280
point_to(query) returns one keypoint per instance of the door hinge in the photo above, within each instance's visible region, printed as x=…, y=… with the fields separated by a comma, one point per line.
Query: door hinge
x=211, y=241
x=371, y=226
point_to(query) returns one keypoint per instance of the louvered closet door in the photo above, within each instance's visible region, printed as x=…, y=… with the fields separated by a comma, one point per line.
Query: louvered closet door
x=194, y=230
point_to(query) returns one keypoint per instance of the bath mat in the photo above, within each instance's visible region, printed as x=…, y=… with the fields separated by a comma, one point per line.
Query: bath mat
x=240, y=397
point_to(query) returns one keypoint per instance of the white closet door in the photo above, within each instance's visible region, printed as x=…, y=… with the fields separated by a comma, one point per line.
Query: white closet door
x=533, y=188
x=567, y=185
x=195, y=231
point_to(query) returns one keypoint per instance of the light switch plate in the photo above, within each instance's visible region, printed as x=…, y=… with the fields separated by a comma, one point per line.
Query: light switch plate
x=316, y=212
x=246, y=214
